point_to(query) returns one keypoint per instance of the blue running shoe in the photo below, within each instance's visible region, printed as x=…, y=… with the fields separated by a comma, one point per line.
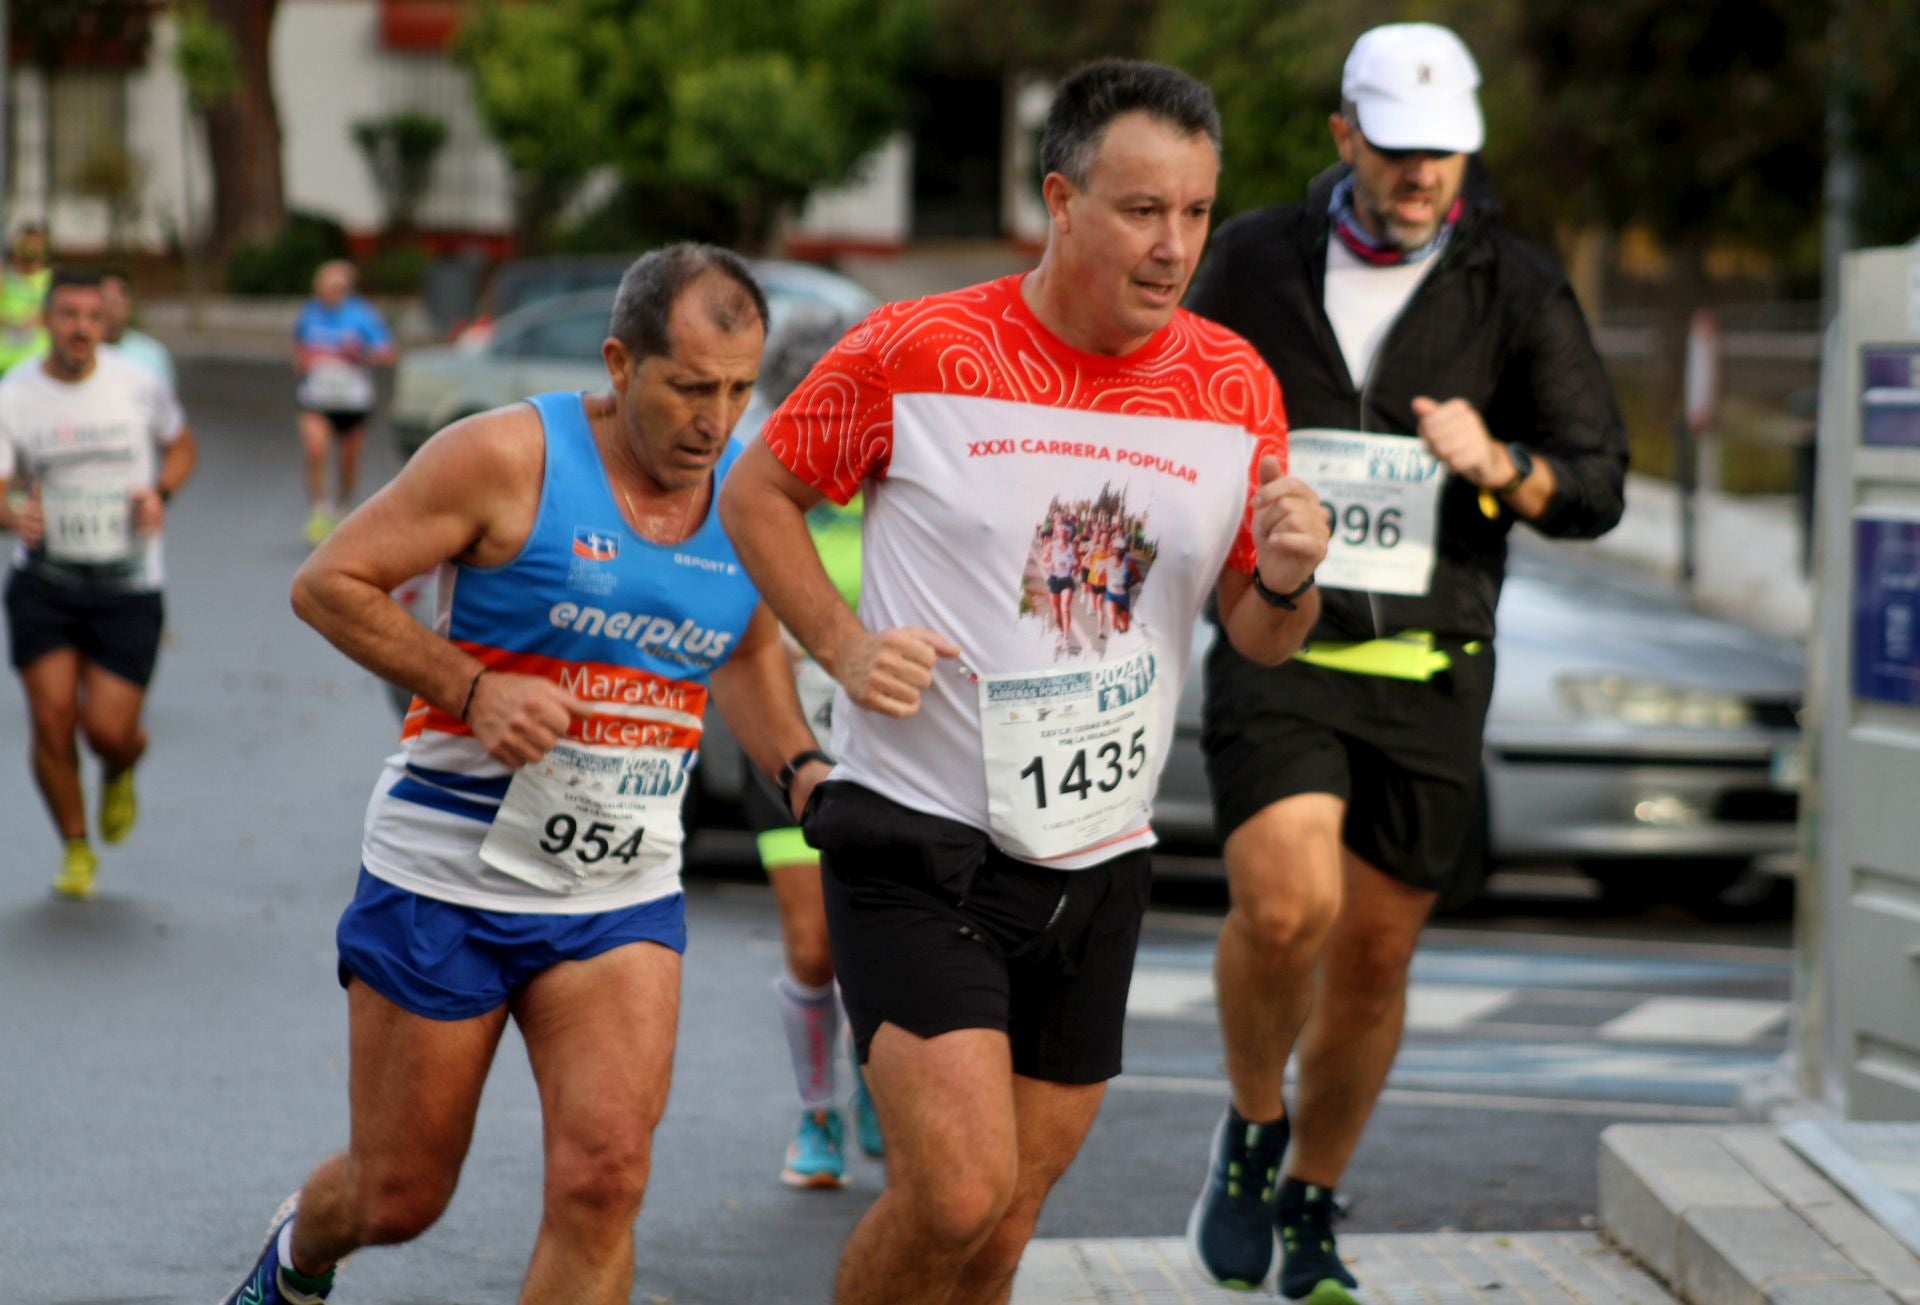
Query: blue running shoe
x=866, y=1120
x=271, y=1282
x=1311, y=1270
x=1230, y=1232
x=814, y=1159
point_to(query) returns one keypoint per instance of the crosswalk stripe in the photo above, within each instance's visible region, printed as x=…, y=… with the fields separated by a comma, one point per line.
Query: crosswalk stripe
x=1721, y=1021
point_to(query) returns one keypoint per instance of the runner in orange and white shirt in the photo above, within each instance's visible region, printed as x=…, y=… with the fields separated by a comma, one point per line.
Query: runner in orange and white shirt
x=984, y=833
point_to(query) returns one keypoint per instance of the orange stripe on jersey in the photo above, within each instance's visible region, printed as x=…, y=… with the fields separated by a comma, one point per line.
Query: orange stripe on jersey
x=626, y=691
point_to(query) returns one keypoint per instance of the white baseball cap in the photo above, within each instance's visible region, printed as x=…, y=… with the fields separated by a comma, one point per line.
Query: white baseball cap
x=1413, y=88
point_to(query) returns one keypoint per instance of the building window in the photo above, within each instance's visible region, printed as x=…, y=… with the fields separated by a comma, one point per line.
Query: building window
x=88, y=147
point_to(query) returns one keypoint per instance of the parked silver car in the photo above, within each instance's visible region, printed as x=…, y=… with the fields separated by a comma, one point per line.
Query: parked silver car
x=1653, y=747
x=554, y=344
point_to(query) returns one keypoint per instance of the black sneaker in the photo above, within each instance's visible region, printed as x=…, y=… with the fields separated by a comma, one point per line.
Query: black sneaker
x=1311, y=1270
x=1230, y=1232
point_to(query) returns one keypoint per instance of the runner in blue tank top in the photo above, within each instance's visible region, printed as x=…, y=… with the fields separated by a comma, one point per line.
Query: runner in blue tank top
x=588, y=599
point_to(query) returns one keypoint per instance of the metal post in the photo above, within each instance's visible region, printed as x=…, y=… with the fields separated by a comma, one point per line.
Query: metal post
x=6, y=121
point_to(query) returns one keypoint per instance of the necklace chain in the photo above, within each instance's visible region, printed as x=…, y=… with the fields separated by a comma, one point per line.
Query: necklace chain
x=686, y=518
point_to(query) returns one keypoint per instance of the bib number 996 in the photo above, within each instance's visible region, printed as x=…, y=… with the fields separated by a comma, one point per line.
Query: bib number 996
x=562, y=833
x=1104, y=772
x=1357, y=525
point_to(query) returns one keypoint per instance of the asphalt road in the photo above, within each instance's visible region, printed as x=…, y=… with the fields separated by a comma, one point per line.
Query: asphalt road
x=172, y=1055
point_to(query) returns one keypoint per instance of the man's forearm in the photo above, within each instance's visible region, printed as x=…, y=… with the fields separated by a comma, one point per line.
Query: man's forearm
x=1263, y=633
x=755, y=694
x=377, y=632
x=770, y=533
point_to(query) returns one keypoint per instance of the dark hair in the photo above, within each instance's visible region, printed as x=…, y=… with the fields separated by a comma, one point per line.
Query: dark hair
x=84, y=277
x=653, y=285
x=1094, y=94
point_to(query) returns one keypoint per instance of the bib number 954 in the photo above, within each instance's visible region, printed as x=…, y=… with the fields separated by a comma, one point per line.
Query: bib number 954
x=562, y=833
x=1105, y=772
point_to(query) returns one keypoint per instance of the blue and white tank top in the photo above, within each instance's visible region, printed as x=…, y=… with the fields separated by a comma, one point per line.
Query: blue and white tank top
x=632, y=626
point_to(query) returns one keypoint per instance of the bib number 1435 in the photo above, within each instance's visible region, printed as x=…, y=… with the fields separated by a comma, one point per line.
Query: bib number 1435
x=1081, y=778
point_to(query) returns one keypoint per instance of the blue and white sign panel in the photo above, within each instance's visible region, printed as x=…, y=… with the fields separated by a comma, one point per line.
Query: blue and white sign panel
x=1886, y=608
x=1890, y=396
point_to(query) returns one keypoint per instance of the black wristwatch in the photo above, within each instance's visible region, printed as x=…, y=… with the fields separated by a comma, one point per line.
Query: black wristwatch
x=1522, y=458
x=792, y=768
x=1285, y=602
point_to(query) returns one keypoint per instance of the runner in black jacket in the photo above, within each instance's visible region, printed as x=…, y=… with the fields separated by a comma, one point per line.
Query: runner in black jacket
x=1440, y=384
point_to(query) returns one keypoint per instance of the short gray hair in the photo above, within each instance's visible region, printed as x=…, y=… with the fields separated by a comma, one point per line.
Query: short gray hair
x=1094, y=94
x=654, y=283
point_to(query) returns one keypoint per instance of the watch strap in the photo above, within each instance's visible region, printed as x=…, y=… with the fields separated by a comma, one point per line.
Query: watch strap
x=1285, y=602
x=797, y=760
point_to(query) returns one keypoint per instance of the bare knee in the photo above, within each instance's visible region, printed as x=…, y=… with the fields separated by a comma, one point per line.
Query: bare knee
x=1283, y=866
x=397, y=1204
x=957, y=1216
x=601, y=1177
x=53, y=733
x=999, y=1257
x=1370, y=969
x=113, y=739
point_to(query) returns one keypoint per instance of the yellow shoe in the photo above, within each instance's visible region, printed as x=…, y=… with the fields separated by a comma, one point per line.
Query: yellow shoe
x=76, y=878
x=118, y=808
x=319, y=525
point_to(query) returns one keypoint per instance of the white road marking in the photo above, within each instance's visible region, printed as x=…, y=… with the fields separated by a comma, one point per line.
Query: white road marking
x=1217, y=1087
x=1719, y=1021
x=1164, y=993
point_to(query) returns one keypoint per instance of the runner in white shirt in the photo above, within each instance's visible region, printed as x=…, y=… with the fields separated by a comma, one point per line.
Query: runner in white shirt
x=984, y=834
x=91, y=448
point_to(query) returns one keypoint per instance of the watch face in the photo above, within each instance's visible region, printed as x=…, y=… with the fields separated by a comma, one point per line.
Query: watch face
x=1522, y=458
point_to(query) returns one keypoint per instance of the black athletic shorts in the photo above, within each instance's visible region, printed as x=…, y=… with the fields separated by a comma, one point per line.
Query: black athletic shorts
x=116, y=630
x=1403, y=754
x=344, y=420
x=933, y=929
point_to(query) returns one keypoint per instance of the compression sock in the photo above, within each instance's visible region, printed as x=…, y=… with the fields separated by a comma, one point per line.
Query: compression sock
x=811, y=1018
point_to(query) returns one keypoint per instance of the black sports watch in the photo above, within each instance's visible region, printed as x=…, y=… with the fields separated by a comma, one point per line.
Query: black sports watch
x=1285, y=602
x=1522, y=458
x=792, y=768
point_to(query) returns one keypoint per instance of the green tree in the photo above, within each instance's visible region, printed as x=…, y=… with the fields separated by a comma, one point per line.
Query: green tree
x=1878, y=70
x=746, y=104
x=1275, y=73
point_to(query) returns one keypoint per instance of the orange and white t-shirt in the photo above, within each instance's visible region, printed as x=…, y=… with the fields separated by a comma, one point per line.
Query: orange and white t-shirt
x=988, y=449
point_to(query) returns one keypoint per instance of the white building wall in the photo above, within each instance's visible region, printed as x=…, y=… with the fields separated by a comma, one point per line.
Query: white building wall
x=1023, y=212
x=875, y=208
x=330, y=71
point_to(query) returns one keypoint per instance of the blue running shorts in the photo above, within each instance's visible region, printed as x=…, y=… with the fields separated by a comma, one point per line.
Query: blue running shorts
x=447, y=962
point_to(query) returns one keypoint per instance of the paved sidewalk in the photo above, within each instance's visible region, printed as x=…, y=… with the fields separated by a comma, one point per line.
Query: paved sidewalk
x=1734, y=1216
x=1395, y=1269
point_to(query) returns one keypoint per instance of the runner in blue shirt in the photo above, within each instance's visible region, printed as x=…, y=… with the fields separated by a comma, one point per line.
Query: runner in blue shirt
x=336, y=338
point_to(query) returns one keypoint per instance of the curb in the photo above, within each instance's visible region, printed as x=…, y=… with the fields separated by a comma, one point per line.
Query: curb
x=1732, y=1216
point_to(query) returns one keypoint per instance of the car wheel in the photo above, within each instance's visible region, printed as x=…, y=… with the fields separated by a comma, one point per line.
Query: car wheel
x=1639, y=884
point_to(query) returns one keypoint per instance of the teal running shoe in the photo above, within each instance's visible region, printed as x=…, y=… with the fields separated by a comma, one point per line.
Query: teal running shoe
x=815, y=1158
x=270, y=1282
x=1311, y=1270
x=1230, y=1232
x=866, y=1120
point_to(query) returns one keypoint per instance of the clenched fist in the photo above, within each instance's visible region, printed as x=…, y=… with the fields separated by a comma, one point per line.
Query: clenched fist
x=1454, y=433
x=885, y=672
x=1290, y=529
x=518, y=718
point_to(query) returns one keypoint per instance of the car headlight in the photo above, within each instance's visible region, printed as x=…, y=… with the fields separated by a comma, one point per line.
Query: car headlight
x=1653, y=705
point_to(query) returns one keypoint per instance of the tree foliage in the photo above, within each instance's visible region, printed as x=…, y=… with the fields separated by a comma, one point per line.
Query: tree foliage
x=1045, y=36
x=1878, y=71
x=750, y=104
